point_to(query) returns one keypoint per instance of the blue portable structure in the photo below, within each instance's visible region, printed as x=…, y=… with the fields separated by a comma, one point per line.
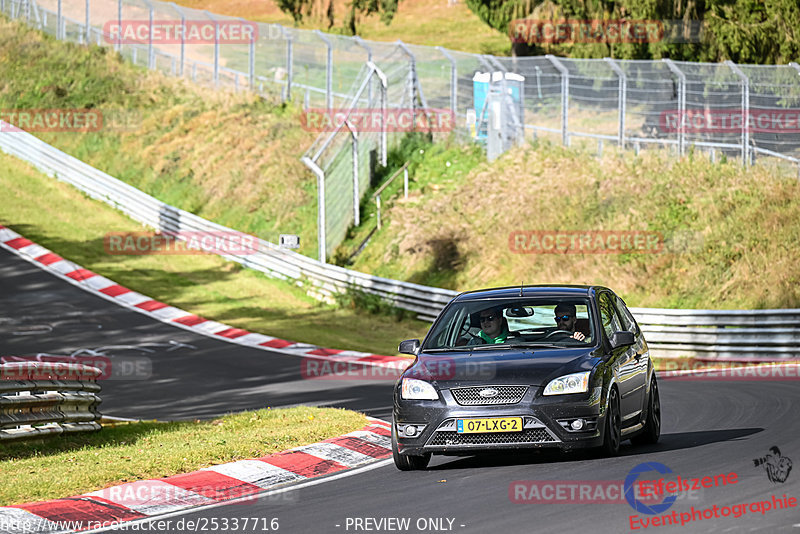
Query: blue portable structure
x=482, y=83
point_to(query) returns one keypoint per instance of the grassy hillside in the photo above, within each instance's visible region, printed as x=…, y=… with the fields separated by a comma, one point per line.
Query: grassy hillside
x=231, y=158
x=728, y=234
x=423, y=22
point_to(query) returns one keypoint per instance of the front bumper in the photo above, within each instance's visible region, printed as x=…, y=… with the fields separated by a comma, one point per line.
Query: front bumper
x=546, y=423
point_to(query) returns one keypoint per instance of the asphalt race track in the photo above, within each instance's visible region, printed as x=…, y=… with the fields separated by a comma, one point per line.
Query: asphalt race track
x=175, y=374
x=708, y=428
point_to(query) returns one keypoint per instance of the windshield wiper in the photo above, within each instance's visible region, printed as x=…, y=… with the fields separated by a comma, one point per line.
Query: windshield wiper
x=534, y=344
x=443, y=349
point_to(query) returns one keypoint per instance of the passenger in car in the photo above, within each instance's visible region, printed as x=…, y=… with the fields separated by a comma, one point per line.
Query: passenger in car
x=494, y=328
x=566, y=318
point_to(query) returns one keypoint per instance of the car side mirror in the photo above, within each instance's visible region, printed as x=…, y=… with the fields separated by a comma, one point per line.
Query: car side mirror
x=411, y=346
x=621, y=339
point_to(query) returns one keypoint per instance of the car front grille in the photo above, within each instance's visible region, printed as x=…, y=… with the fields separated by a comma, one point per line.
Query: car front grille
x=470, y=396
x=443, y=438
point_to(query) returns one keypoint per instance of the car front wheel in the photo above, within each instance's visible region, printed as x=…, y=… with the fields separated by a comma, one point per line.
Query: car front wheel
x=652, y=426
x=612, y=436
x=407, y=462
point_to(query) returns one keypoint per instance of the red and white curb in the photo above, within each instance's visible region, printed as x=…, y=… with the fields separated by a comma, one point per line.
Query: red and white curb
x=109, y=290
x=242, y=481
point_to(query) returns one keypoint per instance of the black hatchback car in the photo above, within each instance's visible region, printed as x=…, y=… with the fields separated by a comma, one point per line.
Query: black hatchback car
x=526, y=367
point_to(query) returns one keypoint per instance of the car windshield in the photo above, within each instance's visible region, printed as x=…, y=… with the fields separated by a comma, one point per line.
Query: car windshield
x=551, y=322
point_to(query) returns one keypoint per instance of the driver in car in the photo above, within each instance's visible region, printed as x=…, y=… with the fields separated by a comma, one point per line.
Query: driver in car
x=494, y=328
x=566, y=318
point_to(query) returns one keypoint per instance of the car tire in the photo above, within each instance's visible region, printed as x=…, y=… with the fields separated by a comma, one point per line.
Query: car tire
x=652, y=426
x=612, y=435
x=407, y=462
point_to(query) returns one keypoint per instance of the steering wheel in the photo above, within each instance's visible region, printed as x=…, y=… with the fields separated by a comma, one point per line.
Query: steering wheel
x=466, y=331
x=563, y=332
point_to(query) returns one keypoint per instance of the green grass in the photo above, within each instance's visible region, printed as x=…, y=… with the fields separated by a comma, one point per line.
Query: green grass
x=231, y=158
x=74, y=225
x=69, y=465
x=725, y=229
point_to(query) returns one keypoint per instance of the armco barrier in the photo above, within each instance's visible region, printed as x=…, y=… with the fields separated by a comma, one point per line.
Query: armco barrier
x=40, y=399
x=709, y=334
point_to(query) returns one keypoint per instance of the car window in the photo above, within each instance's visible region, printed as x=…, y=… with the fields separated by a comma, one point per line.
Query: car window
x=608, y=315
x=628, y=322
x=524, y=319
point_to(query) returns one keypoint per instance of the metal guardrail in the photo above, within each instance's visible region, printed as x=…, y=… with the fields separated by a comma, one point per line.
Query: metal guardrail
x=41, y=399
x=724, y=334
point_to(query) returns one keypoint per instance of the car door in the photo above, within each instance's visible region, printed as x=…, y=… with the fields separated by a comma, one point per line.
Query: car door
x=641, y=354
x=628, y=381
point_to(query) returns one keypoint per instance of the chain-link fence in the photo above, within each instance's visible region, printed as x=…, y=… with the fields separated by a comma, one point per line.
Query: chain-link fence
x=747, y=112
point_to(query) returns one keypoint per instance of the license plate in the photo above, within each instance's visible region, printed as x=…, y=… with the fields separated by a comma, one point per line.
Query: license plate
x=495, y=424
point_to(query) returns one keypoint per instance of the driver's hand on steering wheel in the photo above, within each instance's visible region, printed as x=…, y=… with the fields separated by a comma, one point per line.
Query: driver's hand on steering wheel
x=579, y=336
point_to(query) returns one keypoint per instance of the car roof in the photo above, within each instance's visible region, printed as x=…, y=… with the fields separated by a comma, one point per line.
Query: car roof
x=540, y=290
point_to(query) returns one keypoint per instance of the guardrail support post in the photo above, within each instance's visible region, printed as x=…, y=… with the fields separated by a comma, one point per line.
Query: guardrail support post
x=681, y=104
x=320, y=206
x=453, y=80
x=564, y=97
x=623, y=86
x=328, y=71
x=745, y=111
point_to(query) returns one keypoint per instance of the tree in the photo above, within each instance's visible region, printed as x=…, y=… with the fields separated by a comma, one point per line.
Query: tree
x=386, y=8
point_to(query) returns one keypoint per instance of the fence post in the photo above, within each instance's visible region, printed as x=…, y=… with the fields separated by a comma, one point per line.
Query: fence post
x=414, y=86
x=216, y=46
x=328, y=70
x=356, y=200
x=118, y=45
x=681, y=103
x=288, y=36
x=623, y=87
x=384, y=85
x=360, y=42
x=320, y=206
x=405, y=181
x=150, y=52
x=745, y=110
x=453, y=80
x=88, y=22
x=183, y=35
x=251, y=57
x=59, y=21
x=564, y=97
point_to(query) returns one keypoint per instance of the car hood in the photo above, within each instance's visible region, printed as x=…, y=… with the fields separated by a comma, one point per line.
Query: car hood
x=534, y=367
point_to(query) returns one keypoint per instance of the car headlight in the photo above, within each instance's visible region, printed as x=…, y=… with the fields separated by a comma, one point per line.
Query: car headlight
x=418, y=390
x=574, y=383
